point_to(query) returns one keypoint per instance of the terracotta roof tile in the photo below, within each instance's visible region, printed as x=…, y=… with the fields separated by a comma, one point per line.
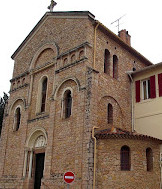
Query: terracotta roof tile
x=120, y=133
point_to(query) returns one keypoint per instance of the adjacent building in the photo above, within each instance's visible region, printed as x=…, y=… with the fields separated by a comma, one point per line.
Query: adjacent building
x=147, y=100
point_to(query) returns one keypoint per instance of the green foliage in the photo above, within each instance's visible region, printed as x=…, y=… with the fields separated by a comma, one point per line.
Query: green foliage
x=3, y=102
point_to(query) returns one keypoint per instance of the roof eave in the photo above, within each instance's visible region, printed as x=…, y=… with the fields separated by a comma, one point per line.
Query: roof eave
x=125, y=136
x=127, y=47
x=28, y=36
x=154, y=66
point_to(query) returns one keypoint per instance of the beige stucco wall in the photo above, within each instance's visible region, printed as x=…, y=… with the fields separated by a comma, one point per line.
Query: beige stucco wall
x=148, y=113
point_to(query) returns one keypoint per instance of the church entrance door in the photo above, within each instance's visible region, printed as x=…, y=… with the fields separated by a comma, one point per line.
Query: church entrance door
x=39, y=167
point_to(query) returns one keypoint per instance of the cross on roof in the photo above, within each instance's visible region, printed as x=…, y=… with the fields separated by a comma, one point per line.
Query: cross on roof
x=51, y=6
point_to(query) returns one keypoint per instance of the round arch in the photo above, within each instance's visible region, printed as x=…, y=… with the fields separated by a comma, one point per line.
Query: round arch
x=52, y=46
x=14, y=102
x=62, y=82
x=110, y=97
x=36, y=140
x=110, y=115
x=33, y=136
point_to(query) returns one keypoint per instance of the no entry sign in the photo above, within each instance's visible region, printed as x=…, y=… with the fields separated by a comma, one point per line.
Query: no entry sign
x=69, y=177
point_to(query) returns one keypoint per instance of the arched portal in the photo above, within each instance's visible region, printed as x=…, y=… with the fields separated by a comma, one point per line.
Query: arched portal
x=35, y=156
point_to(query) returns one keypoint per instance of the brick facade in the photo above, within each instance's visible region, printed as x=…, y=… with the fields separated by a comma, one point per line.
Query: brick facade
x=61, y=48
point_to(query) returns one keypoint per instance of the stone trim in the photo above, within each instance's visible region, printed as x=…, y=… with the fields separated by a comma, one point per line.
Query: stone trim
x=54, y=46
x=71, y=65
x=18, y=98
x=55, y=90
x=9, y=176
x=41, y=68
x=38, y=118
x=75, y=48
x=50, y=64
x=21, y=87
x=19, y=76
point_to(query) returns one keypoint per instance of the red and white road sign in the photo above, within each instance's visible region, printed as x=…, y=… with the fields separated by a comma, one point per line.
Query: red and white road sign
x=69, y=177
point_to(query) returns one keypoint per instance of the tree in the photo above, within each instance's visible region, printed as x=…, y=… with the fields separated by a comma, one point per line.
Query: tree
x=3, y=102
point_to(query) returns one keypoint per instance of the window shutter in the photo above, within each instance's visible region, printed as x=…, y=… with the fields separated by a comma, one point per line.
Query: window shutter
x=160, y=83
x=137, y=83
x=152, y=87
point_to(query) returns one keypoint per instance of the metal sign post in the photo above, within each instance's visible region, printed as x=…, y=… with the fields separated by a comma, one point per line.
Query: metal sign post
x=68, y=186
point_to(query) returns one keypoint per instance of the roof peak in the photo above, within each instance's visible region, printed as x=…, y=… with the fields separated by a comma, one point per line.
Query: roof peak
x=59, y=14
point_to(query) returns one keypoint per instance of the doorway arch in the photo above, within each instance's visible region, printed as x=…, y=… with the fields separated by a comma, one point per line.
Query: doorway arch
x=35, y=156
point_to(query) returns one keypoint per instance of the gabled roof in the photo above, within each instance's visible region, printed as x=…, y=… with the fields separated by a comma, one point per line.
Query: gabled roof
x=122, y=134
x=122, y=43
x=83, y=14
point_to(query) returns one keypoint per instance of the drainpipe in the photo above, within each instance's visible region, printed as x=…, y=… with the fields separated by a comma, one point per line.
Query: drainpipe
x=94, y=168
x=160, y=174
x=160, y=166
x=94, y=53
x=129, y=73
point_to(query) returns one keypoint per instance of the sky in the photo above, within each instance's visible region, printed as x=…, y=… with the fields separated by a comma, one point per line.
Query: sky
x=142, y=19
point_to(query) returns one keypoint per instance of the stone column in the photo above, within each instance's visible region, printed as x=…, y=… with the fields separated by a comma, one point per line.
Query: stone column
x=25, y=163
x=30, y=163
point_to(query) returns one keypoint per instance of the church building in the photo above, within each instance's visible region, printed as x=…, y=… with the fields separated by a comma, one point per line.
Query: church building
x=71, y=108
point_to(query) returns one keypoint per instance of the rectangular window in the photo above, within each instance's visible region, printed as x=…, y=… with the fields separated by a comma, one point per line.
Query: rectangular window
x=125, y=158
x=146, y=89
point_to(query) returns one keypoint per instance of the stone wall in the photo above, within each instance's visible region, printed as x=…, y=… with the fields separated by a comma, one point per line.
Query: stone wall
x=109, y=174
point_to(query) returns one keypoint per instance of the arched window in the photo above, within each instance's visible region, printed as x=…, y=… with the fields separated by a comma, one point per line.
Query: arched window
x=17, y=119
x=81, y=54
x=115, y=67
x=67, y=104
x=73, y=58
x=125, y=158
x=44, y=94
x=149, y=159
x=13, y=86
x=107, y=62
x=110, y=114
x=65, y=62
x=18, y=83
x=23, y=81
